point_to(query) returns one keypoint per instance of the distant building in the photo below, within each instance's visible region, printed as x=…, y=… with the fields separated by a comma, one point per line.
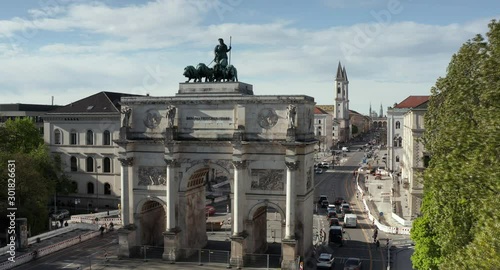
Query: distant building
x=82, y=133
x=395, y=120
x=20, y=110
x=362, y=123
x=323, y=122
x=415, y=158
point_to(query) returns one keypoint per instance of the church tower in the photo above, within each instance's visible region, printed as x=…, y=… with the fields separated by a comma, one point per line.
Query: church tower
x=342, y=103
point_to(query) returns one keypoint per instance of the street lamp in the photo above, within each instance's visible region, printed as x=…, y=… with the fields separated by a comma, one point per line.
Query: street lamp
x=97, y=186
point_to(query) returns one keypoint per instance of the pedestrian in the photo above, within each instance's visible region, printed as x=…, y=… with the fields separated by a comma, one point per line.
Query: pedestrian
x=377, y=244
x=102, y=230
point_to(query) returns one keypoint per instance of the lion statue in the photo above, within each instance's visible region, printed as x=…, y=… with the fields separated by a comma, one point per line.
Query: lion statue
x=231, y=74
x=219, y=73
x=204, y=72
x=190, y=73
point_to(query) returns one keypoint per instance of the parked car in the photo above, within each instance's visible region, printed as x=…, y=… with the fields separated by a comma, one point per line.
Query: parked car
x=60, y=214
x=209, y=210
x=325, y=261
x=352, y=264
x=318, y=171
x=325, y=164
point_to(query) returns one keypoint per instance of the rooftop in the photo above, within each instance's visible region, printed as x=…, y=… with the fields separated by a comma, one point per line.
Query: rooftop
x=412, y=102
x=102, y=102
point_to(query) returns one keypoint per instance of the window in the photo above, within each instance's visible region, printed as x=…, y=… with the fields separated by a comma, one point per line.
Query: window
x=107, y=164
x=319, y=121
x=90, y=137
x=338, y=90
x=74, y=186
x=319, y=132
x=107, y=189
x=398, y=125
x=57, y=136
x=74, y=165
x=90, y=188
x=106, y=138
x=90, y=164
x=400, y=140
x=73, y=138
x=397, y=158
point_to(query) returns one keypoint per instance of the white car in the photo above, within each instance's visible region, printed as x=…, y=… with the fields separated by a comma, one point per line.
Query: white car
x=318, y=171
x=325, y=261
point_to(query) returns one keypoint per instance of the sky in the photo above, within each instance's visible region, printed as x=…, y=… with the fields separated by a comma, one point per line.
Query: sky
x=70, y=49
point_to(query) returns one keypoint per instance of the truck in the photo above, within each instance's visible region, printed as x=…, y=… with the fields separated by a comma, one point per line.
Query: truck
x=350, y=220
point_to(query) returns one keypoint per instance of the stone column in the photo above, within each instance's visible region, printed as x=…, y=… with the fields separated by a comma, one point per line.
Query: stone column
x=238, y=197
x=290, y=199
x=171, y=193
x=127, y=210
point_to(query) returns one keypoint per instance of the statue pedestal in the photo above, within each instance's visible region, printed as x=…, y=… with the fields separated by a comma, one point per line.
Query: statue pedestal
x=289, y=247
x=171, y=245
x=290, y=135
x=126, y=241
x=123, y=133
x=237, y=250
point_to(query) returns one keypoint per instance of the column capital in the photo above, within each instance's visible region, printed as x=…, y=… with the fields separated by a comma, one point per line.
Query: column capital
x=127, y=162
x=292, y=165
x=240, y=164
x=172, y=163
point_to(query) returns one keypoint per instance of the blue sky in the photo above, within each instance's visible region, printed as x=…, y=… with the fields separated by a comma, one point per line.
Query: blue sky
x=391, y=49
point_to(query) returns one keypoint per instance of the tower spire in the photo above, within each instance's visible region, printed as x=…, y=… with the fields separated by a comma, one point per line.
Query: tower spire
x=370, y=111
x=340, y=75
x=381, y=113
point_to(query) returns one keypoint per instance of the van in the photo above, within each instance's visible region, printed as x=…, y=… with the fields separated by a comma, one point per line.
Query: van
x=350, y=220
x=336, y=236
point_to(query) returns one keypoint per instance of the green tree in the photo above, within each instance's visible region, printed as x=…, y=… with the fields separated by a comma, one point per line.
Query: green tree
x=38, y=175
x=459, y=225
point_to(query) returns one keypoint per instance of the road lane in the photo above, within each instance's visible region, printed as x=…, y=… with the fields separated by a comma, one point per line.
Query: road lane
x=340, y=183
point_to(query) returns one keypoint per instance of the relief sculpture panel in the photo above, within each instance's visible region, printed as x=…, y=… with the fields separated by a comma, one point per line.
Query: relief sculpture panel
x=309, y=179
x=152, y=176
x=268, y=179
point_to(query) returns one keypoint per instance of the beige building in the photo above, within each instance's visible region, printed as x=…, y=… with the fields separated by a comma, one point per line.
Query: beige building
x=361, y=122
x=323, y=124
x=83, y=133
x=415, y=158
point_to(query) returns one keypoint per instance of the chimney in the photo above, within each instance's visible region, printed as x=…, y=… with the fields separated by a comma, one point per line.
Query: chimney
x=52, y=100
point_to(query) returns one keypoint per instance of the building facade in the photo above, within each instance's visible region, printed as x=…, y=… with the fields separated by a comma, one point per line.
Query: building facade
x=395, y=124
x=20, y=110
x=82, y=133
x=323, y=124
x=361, y=122
x=415, y=157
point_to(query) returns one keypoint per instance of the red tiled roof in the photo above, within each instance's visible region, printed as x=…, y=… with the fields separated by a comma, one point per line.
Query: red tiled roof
x=412, y=102
x=319, y=111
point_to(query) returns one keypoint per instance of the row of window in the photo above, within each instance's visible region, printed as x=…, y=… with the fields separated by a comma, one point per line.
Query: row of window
x=90, y=165
x=90, y=188
x=89, y=137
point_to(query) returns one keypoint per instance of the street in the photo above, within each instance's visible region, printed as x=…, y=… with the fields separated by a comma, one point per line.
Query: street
x=339, y=183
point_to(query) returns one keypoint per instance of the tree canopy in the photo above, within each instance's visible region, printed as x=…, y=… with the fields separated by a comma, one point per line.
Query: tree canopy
x=38, y=175
x=460, y=223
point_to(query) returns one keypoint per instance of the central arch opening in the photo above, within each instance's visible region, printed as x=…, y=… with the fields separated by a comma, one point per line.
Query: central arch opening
x=153, y=224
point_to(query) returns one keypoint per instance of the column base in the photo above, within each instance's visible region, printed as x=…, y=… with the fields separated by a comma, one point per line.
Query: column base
x=289, y=249
x=171, y=245
x=126, y=241
x=237, y=249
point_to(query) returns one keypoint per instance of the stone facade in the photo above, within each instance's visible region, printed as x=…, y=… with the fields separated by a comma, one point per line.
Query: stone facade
x=266, y=155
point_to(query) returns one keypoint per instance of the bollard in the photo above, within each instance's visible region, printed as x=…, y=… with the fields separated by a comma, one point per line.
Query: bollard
x=199, y=257
x=145, y=257
x=267, y=261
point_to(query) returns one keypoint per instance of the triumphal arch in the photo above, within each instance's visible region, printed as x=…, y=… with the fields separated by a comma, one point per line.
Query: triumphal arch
x=263, y=144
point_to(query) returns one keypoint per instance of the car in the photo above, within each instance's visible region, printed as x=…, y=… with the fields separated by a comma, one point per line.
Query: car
x=352, y=264
x=324, y=204
x=209, y=210
x=318, y=171
x=336, y=235
x=331, y=213
x=345, y=206
x=325, y=164
x=334, y=222
x=325, y=261
x=340, y=214
x=60, y=214
x=345, y=149
x=339, y=201
x=322, y=198
x=331, y=207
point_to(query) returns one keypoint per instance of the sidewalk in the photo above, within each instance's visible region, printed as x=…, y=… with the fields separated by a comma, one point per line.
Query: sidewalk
x=382, y=195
